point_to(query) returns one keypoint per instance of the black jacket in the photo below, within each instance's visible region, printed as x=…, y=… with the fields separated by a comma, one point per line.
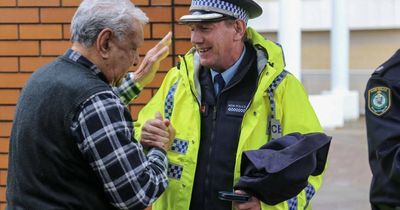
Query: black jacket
x=382, y=111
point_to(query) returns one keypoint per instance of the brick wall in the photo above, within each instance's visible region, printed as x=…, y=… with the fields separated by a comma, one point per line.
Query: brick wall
x=34, y=32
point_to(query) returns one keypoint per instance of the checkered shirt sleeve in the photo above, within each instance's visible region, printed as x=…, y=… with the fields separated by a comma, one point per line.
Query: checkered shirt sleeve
x=104, y=134
x=128, y=89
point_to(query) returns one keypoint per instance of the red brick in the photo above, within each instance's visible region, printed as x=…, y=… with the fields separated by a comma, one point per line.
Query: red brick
x=158, y=14
x=38, y=3
x=56, y=15
x=4, y=144
x=160, y=2
x=71, y=2
x=8, y=64
x=3, y=177
x=19, y=48
x=20, y=15
x=140, y=2
x=13, y=80
x=40, y=31
x=144, y=97
x=67, y=31
x=9, y=96
x=185, y=2
x=157, y=80
x=5, y=129
x=160, y=30
x=181, y=11
x=3, y=189
x=8, y=3
x=135, y=109
x=31, y=64
x=182, y=31
x=8, y=32
x=166, y=64
x=146, y=31
x=7, y=112
x=54, y=47
x=147, y=45
x=181, y=47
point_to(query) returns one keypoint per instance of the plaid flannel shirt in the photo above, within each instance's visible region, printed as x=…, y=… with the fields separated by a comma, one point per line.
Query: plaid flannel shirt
x=104, y=134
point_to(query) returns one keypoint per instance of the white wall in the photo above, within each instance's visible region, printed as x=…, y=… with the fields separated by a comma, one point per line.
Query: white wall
x=316, y=15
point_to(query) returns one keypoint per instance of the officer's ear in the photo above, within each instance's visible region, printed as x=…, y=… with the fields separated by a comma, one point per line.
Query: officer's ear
x=240, y=29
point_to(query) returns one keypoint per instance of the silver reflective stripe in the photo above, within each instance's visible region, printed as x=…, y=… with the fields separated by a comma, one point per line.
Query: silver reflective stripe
x=274, y=126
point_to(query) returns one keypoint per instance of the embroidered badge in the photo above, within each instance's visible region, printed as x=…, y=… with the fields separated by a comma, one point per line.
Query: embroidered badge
x=236, y=108
x=379, y=100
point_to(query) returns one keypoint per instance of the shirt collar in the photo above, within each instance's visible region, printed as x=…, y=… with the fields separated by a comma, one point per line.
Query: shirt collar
x=231, y=71
x=78, y=58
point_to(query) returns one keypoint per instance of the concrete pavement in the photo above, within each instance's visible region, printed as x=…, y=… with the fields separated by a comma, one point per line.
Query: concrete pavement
x=347, y=179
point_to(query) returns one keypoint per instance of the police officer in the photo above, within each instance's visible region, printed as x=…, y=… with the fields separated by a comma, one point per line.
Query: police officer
x=382, y=113
x=230, y=93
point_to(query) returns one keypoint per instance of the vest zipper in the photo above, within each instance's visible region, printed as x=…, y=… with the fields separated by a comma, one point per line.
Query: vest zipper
x=210, y=151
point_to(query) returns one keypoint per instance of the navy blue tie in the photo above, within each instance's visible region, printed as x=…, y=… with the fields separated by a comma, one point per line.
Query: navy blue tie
x=219, y=80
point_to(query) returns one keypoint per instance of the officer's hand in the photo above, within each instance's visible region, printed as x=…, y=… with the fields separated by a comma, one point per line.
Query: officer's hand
x=151, y=62
x=252, y=204
x=157, y=132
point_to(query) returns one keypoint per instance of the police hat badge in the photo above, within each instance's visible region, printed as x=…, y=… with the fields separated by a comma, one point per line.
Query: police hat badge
x=379, y=100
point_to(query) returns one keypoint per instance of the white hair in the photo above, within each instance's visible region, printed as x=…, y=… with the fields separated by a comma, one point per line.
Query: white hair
x=92, y=16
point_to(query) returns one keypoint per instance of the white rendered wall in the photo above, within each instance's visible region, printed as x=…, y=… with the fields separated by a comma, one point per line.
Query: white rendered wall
x=316, y=15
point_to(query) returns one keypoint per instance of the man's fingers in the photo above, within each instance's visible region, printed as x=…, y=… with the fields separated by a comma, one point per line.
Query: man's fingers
x=159, y=55
x=153, y=57
x=158, y=116
x=152, y=143
x=166, y=41
x=155, y=127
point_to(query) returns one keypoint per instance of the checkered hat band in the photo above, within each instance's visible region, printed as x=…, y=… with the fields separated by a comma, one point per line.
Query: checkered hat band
x=221, y=7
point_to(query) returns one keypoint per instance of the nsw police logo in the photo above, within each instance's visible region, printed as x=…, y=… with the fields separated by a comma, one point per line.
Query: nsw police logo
x=379, y=100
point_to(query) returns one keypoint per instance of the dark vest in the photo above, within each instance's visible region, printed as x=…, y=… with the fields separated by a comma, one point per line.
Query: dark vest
x=220, y=130
x=46, y=168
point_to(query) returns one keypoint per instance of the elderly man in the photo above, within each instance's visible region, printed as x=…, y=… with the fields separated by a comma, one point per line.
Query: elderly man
x=72, y=144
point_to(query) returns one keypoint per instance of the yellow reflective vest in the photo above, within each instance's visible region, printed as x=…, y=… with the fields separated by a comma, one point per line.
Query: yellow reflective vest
x=179, y=100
